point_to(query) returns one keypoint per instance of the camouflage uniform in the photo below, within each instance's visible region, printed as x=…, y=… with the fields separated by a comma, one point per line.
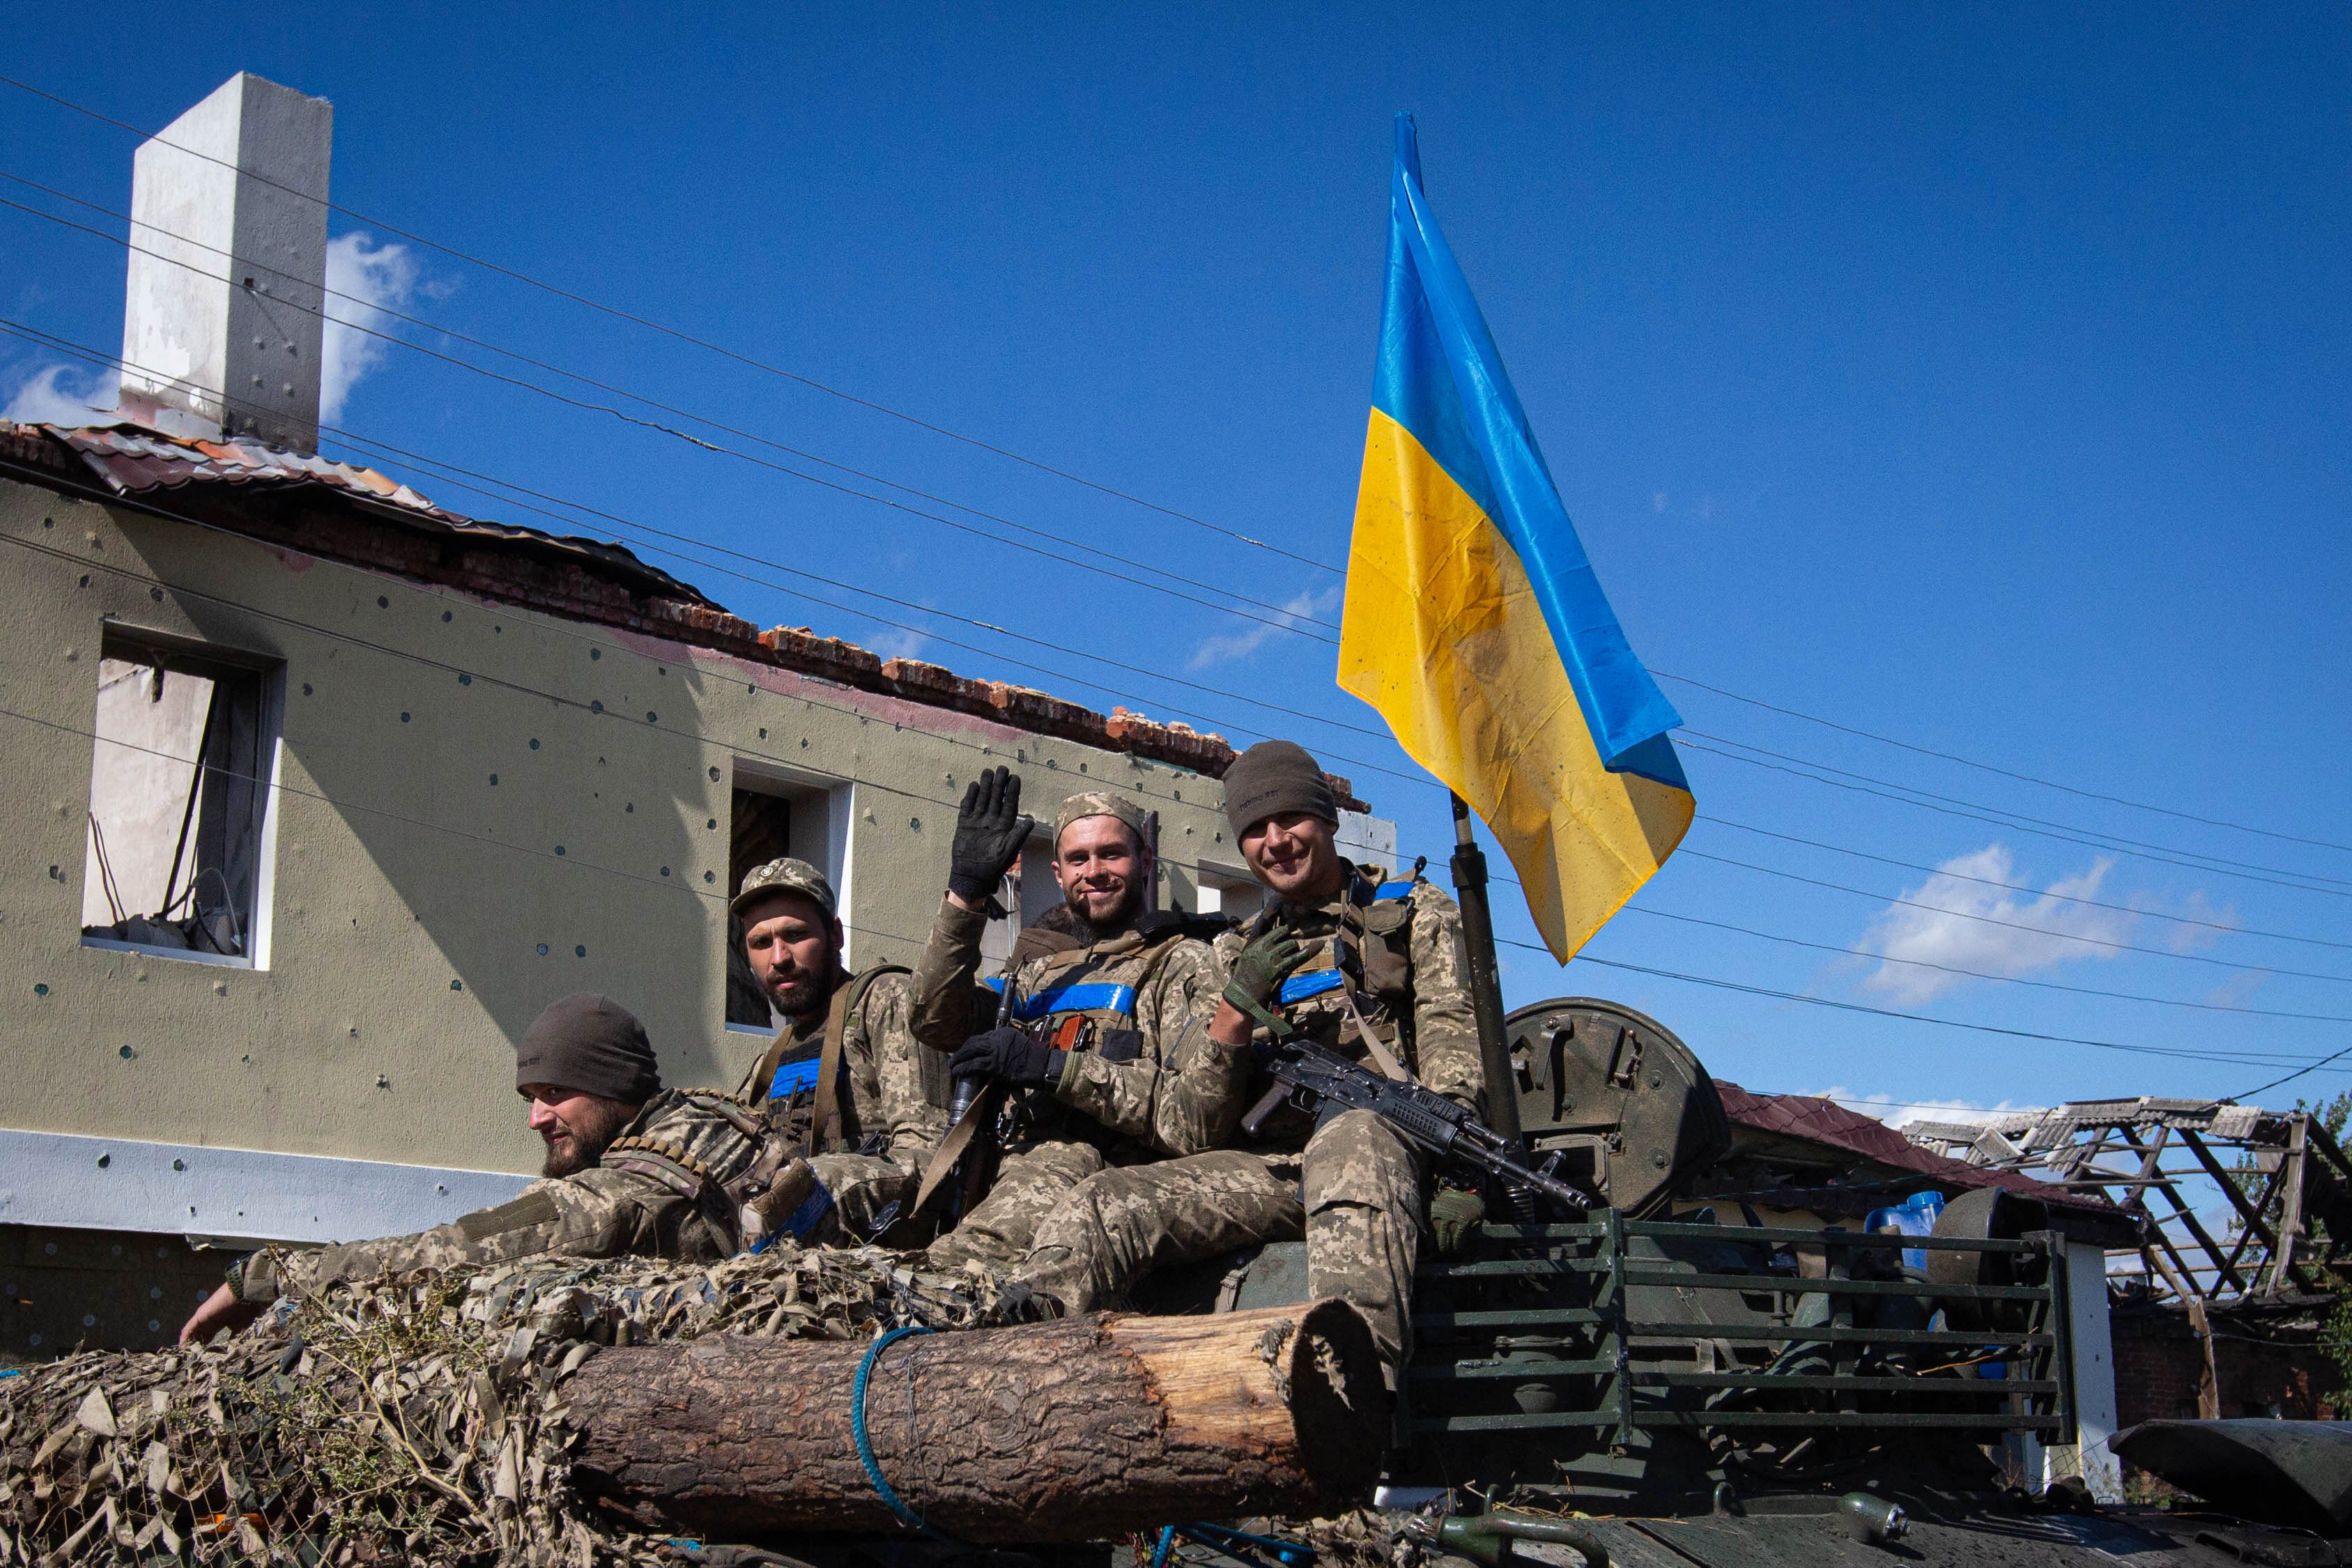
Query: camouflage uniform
x=1353, y=1184
x=1144, y=1082
x=661, y=1189
x=886, y=1129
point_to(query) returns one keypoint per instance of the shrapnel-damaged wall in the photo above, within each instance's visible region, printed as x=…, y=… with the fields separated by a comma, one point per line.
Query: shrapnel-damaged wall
x=481, y=808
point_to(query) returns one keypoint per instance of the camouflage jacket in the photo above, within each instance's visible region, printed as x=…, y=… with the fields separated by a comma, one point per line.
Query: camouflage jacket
x=1147, y=1081
x=1399, y=947
x=659, y=1190
x=883, y=1111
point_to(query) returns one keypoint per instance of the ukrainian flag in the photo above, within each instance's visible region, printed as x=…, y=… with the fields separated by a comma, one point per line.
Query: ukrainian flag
x=1473, y=622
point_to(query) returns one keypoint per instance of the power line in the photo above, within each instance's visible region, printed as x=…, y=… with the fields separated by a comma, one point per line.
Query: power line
x=2019, y=887
x=2004, y=773
x=1877, y=897
x=683, y=337
x=1417, y=779
x=437, y=466
x=712, y=347
x=2014, y=821
x=1286, y=623
x=1980, y=975
x=597, y=707
x=2220, y=1056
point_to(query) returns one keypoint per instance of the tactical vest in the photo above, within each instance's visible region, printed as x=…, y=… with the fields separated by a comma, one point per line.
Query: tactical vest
x=1369, y=949
x=1085, y=999
x=709, y=1149
x=792, y=1071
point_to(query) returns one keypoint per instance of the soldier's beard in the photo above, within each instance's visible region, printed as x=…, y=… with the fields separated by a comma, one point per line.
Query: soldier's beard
x=585, y=1139
x=1121, y=916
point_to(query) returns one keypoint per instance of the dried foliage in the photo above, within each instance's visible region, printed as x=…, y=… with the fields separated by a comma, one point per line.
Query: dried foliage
x=417, y=1419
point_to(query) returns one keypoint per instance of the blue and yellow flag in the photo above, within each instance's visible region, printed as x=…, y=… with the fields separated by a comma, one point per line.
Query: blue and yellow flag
x=1473, y=622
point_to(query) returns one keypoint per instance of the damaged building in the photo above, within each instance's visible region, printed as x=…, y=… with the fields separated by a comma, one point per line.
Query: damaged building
x=323, y=790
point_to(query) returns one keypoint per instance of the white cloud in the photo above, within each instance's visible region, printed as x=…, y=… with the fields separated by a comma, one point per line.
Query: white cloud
x=2033, y=934
x=1228, y=648
x=363, y=282
x=897, y=642
x=1899, y=1113
x=60, y=394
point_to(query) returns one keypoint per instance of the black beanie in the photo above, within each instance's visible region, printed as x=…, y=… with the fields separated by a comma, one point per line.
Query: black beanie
x=1273, y=777
x=592, y=1044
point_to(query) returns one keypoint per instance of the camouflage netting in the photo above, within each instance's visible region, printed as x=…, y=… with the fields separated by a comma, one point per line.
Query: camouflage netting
x=413, y=1419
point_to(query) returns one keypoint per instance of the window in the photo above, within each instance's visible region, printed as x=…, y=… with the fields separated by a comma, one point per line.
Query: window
x=177, y=852
x=773, y=814
x=1237, y=896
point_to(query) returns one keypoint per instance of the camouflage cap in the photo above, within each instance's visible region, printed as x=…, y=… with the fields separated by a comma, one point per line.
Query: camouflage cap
x=1099, y=803
x=785, y=875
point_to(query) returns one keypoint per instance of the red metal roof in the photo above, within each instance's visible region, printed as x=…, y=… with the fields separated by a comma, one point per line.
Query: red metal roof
x=1826, y=1123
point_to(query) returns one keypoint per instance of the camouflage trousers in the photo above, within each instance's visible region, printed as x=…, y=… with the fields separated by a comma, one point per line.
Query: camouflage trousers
x=863, y=1186
x=1002, y=1227
x=1356, y=1193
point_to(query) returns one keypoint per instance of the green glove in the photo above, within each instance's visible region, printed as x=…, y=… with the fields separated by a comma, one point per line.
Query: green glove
x=1452, y=1215
x=1260, y=971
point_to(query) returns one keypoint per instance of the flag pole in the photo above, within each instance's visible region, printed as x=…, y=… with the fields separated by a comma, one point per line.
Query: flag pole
x=1486, y=980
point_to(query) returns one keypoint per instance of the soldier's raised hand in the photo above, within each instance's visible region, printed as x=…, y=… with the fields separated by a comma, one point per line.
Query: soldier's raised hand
x=990, y=831
x=1260, y=970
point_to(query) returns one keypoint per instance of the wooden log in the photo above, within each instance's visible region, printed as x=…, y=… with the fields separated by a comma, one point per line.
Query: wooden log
x=1085, y=1429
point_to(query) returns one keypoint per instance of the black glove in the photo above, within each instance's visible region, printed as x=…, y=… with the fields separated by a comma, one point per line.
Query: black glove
x=990, y=831
x=1008, y=1055
x=1260, y=970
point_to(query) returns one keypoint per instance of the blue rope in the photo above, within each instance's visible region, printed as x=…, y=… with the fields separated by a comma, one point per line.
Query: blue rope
x=907, y=1516
x=1167, y=1540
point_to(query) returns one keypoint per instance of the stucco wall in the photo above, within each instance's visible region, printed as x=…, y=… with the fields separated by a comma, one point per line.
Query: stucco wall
x=412, y=894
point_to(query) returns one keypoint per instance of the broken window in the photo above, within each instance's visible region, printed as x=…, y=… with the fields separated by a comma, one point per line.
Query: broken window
x=179, y=799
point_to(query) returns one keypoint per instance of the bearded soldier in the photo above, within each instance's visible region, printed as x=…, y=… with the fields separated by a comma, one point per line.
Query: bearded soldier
x=842, y=1075
x=631, y=1168
x=1368, y=967
x=1113, y=1062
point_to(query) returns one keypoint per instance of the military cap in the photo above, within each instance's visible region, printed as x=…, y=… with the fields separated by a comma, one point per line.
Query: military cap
x=1099, y=803
x=785, y=875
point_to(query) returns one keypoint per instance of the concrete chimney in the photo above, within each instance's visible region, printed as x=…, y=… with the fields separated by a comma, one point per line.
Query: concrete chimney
x=224, y=338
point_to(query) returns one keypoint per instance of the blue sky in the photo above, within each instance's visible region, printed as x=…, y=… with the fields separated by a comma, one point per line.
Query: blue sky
x=1971, y=376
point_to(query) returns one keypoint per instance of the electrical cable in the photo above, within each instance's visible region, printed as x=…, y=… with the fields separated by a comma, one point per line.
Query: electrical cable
x=171, y=515
x=2014, y=821
x=440, y=469
x=1991, y=768
x=2184, y=1055
x=597, y=707
x=604, y=386
x=1124, y=576
x=1980, y=975
x=720, y=897
x=683, y=337
x=726, y=353
x=1877, y=897
x=1945, y=872
x=1289, y=621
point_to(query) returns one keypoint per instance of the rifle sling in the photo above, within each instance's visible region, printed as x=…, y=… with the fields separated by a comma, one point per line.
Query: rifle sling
x=981, y=1113
x=1382, y=1056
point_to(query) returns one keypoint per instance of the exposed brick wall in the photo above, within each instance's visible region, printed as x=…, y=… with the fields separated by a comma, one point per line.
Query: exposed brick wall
x=2158, y=1363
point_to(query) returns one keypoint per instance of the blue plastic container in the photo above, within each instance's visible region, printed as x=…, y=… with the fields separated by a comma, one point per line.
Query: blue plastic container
x=1916, y=1216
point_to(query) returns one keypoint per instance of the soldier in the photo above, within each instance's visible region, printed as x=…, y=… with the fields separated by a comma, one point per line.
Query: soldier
x=1365, y=966
x=844, y=1063
x=631, y=1168
x=1123, y=1070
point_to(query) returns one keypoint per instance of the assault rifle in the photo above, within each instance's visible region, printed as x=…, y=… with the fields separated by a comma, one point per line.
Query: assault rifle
x=1307, y=1077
